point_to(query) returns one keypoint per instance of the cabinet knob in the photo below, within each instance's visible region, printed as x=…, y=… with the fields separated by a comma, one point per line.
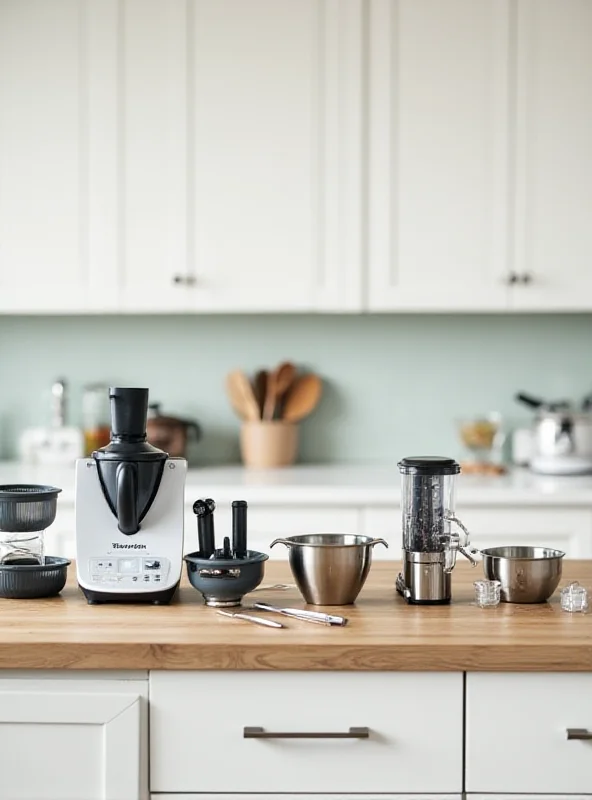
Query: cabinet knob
x=526, y=278
x=512, y=278
x=184, y=280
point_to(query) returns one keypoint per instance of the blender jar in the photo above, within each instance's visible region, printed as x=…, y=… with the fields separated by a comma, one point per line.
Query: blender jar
x=427, y=501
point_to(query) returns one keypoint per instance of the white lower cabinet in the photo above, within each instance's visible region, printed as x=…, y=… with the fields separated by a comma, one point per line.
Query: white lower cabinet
x=518, y=736
x=567, y=529
x=381, y=796
x=267, y=523
x=261, y=732
x=73, y=739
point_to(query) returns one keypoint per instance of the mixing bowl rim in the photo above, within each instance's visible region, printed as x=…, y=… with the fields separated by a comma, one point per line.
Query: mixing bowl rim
x=292, y=540
x=489, y=552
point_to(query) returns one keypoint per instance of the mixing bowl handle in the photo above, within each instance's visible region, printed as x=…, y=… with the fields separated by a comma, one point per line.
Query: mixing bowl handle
x=372, y=542
x=287, y=542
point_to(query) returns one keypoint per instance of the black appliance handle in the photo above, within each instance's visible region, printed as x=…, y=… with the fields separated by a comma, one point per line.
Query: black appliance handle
x=127, y=497
x=204, y=511
x=239, y=528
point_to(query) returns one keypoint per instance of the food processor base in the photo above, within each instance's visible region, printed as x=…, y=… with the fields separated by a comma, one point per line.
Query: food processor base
x=159, y=598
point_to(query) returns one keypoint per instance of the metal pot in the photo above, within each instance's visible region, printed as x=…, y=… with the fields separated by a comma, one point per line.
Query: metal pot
x=526, y=574
x=170, y=434
x=330, y=568
x=562, y=437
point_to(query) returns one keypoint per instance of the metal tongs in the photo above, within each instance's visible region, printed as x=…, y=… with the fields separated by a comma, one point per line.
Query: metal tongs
x=316, y=617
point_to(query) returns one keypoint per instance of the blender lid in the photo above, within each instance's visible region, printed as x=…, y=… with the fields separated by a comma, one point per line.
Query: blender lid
x=428, y=465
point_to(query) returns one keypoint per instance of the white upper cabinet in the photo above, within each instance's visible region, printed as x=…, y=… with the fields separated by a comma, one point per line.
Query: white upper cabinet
x=553, y=242
x=57, y=156
x=241, y=183
x=295, y=155
x=438, y=211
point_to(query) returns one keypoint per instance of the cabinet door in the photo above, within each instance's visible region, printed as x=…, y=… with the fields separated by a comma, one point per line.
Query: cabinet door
x=57, y=156
x=438, y=145
x=274, y=147
x=70, y=740
x=271, y=522
x=567, y=529
x=525, y=719
x=553, y=164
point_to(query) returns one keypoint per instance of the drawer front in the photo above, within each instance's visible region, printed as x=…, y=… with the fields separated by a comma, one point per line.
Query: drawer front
x=566, y=529
x=268, y=523
x=194, y=796
x=517, y=733
x=197, y=722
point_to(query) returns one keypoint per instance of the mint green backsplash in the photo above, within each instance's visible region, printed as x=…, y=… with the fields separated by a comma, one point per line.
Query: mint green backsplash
x=394, y=385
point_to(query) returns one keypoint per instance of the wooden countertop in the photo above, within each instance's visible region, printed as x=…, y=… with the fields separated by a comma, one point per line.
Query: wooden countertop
x=383, y=633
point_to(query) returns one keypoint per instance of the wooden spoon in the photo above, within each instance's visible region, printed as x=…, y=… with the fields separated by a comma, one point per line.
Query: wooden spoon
x=260, y=389
x=302, y=398
x=278, y=383
x=241, y=395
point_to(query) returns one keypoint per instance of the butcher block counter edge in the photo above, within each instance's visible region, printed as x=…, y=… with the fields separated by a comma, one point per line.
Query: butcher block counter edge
x=383, y=634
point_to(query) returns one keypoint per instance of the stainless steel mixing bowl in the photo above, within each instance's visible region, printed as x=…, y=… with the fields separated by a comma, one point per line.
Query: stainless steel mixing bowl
x=330, y=568
x=526, y=574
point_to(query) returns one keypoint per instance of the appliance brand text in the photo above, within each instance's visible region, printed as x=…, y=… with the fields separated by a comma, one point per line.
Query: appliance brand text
x=117, y=546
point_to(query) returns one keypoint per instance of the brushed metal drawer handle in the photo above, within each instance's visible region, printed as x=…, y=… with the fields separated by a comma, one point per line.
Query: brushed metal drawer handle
x=261, y=733
x=579, y=733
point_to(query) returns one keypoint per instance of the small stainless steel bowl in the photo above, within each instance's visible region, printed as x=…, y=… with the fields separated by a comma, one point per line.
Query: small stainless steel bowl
x=526, y=574
x=330, y=568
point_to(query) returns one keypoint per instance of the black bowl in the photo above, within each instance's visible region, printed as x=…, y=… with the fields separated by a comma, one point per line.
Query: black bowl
x=223, y=582
x=25, y=581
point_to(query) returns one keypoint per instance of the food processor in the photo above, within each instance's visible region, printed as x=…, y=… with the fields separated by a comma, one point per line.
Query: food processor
x=429, y=545
x=129, y=511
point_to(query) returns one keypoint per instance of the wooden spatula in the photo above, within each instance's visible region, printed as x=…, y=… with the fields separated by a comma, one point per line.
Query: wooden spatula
x=260, y=389
x=240, y=393
x=302, y=398
x=278, y=383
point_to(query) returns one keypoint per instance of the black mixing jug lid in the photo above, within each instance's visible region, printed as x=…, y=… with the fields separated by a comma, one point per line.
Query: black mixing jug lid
x=428, y=465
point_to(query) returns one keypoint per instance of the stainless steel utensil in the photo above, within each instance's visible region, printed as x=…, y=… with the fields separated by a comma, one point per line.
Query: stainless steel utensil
x=526, y=574
x=303, y=614
x=330, y=568
x=267, y=623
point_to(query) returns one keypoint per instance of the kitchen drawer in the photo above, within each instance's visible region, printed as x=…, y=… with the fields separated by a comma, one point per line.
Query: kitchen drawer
x=424, y=796
x=266, y=523
x=517, y=733
x=197, y=721
x=568, y=529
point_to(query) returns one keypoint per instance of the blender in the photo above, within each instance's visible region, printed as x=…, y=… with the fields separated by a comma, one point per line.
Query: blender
x=429, y=544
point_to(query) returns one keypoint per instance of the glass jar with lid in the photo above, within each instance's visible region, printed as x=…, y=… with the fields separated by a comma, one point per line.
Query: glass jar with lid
x=96, y=417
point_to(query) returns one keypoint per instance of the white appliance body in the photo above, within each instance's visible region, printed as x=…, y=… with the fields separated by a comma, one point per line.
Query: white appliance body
x=143, y=567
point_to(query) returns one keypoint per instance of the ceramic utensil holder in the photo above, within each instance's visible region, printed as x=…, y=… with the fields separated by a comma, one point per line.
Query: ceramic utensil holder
x=266, y=444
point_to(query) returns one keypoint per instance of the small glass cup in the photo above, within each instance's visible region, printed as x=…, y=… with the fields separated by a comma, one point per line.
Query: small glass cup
x=22, y=548
x=487, y=593
x=574, y=598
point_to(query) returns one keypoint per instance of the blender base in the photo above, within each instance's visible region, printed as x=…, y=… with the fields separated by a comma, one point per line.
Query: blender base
x=424, y=581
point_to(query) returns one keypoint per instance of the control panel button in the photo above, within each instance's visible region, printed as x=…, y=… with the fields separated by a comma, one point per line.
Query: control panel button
x=151, y=563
